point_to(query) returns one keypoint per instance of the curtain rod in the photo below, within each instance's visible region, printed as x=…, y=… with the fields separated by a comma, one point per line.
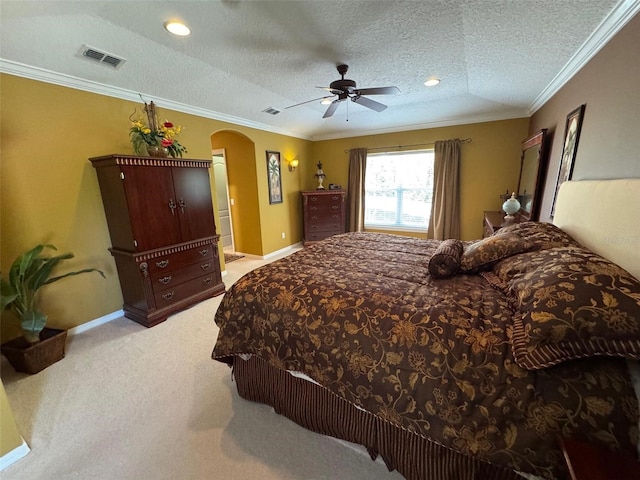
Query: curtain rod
x=464, y=140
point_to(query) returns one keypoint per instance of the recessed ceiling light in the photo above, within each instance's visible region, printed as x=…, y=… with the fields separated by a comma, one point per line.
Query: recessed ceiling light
x=177, y=28
x=432, y=82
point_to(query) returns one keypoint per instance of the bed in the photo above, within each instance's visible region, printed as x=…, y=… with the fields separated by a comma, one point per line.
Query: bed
x=454, y=360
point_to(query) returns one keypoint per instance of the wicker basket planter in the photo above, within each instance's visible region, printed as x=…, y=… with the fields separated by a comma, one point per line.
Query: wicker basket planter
x=38, y=356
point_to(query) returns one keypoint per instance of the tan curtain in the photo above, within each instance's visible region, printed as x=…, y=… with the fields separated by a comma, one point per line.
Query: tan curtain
x=445, y=209
x=355, y=191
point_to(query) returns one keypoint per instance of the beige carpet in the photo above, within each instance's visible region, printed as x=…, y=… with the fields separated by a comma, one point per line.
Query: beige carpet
x=129, y=402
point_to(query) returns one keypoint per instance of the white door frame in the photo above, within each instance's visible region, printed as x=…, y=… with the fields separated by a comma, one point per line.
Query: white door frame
x=220, y=152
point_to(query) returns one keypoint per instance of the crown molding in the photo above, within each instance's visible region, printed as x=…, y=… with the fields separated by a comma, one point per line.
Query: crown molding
x=608, y=28
x=35, y=73
x=453, y=122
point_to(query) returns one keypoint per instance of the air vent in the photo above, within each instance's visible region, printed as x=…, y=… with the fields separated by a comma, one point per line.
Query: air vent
x=271, y=111
x=101, y=57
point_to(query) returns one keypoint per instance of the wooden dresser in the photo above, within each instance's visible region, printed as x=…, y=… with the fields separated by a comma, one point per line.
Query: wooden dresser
x=587, y=462
x=494, y=221
x=163, y=236
x=324, y=214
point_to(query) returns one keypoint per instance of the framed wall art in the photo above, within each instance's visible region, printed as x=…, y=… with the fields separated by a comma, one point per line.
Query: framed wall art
x=569, y=150
x=273, y=177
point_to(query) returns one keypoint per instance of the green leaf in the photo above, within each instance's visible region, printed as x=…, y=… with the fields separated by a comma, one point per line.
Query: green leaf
x=42, y=271
x=7, y=294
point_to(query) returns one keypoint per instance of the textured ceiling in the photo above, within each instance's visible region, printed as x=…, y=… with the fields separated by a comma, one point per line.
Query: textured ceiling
x=497, y=58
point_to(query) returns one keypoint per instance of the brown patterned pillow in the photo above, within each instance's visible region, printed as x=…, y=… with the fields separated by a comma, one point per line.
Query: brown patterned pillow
x=445, y=261
x=542, y=235
x=573, y=303
x=482, y=254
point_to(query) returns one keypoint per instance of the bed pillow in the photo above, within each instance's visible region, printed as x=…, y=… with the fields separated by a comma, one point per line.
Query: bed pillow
x=481, y=255
x=541, y=235
x=445, y=261
x=572, y=303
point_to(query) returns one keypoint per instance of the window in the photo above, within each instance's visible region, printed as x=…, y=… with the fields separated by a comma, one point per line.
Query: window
x=398, y=190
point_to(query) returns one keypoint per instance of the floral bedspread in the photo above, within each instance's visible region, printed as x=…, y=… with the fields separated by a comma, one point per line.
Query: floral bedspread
x=360, y=314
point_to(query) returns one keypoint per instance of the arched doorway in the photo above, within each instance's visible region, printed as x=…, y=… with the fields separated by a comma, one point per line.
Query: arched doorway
x=242, y=190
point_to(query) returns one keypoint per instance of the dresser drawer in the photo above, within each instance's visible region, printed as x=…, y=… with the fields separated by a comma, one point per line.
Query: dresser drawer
x=325, y=203
x=317, y=236
x=162, y=280
x=324, y=208
x=322, y=222
x=167, y=263
x=184, y=290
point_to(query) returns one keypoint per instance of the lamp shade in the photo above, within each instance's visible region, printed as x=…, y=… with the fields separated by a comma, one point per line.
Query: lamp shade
x=511, y=206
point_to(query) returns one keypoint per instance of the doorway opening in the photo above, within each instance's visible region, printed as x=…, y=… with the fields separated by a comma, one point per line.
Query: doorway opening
x=220, y=174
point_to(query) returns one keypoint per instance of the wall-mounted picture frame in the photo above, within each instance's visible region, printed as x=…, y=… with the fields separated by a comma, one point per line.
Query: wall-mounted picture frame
x=273, y=177
x=569, y=149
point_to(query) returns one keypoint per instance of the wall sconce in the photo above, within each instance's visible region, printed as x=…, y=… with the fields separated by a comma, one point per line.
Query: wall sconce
x=293, y=164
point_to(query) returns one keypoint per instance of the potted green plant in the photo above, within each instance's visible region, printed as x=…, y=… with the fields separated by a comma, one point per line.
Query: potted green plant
x=39, y=346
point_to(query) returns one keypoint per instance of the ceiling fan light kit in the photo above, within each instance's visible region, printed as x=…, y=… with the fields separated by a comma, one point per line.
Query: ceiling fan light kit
x=346, y=89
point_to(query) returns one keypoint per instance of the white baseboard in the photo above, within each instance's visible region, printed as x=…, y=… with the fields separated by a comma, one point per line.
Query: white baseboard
x=14, y=455
x=282, y=250
x=295, y=246
x=95, y=323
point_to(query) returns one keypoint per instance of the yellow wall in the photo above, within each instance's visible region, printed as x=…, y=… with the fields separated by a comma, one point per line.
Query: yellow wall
x=49, y=190
x=10, y=438
x=489, y=165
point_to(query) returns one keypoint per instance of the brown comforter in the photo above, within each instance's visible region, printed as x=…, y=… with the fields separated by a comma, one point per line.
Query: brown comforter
x=360, y=314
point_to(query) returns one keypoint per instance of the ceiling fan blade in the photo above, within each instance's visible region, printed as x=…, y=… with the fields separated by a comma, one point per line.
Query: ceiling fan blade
x=378, y=91
x=367, y=102
x=332, y=108
x=335, y=91
x=308, y=101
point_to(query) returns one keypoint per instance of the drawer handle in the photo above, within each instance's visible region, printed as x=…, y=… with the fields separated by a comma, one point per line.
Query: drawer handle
x=162, y=263
x=165, y=280
x=204, y=252
x=204, y=266
x=335, y=198
x=335, y=207
x=168, y=296
x=207, y=280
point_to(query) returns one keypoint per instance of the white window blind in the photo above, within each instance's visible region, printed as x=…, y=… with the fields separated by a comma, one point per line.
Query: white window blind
x=398, y=190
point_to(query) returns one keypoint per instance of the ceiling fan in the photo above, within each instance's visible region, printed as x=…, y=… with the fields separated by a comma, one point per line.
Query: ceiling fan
x=345, y=89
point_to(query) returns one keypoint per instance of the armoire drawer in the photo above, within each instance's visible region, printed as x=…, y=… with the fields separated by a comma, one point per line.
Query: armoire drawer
x=162, y=280
x=167, y=263
x=184, y=290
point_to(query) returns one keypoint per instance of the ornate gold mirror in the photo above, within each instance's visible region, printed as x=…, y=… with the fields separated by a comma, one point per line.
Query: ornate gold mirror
x=532, y=168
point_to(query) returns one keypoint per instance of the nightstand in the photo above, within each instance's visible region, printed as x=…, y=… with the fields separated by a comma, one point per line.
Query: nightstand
x=587, y=462
x=494, y=221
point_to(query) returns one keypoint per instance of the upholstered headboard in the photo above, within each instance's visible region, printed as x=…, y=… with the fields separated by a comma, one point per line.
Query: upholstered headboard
x=604, y=216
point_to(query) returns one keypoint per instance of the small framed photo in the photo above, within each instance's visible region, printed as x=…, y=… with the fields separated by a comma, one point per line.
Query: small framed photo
x=569, y=150
x=273, y=177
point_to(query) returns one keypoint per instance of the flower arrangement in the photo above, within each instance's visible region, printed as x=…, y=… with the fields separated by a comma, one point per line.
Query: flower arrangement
x=154, y=134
